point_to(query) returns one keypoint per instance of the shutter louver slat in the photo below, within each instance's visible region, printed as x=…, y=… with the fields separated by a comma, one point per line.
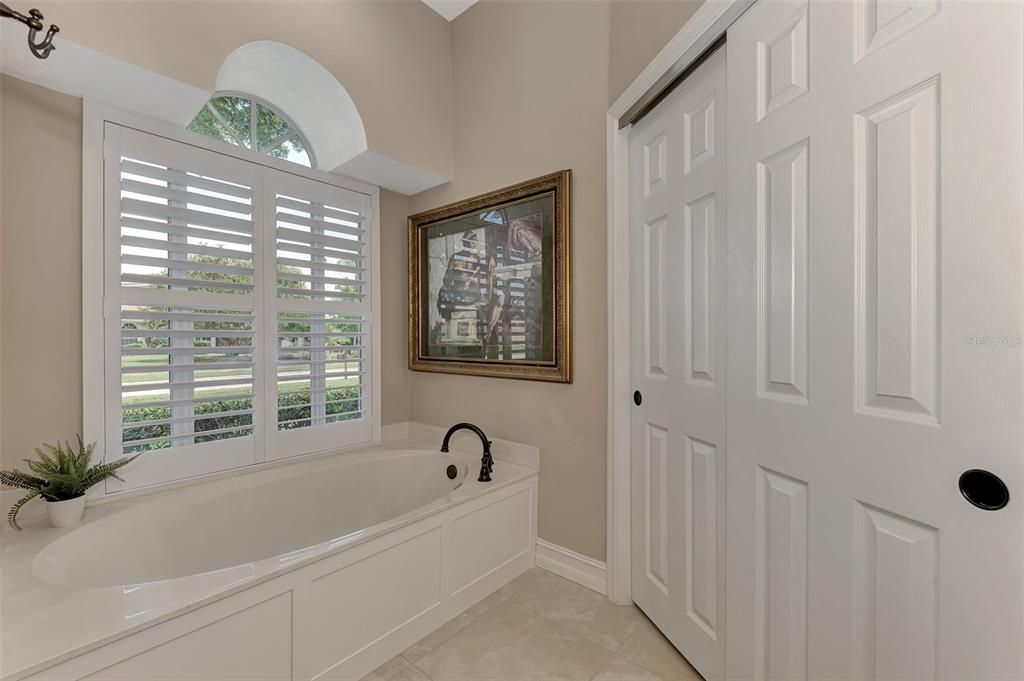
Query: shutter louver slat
x=315, y=294
x=162, y=245
x=238, y=349
x=184, y=282
x=182, y=419
x=189, y=216
x=162, y=386
x=321, y=279
x=186, y=316
x=353, y=253
x=292, y=219
x=290, y=234
x=198, y=366
x=177, y=403
x=129, y=167
x=190, y=435
x=183, y=231
x=319, y=210
x=185, y=265
x=317, y=264
x=184, y=197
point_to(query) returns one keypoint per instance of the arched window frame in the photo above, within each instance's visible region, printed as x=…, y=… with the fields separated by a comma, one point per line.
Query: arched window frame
x=294, y=130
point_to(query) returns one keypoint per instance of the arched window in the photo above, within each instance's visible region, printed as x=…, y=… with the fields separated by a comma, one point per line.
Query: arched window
x=253, y=124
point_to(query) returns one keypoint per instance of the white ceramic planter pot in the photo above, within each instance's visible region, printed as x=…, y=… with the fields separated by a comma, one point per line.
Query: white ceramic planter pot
x=65, y=513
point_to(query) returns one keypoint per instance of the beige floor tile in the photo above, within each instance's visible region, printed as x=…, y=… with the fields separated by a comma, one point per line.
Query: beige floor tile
x=396, y=669
x=620, y=669
x=648, y=648
x=582, y=610
x=437, y=637
x=511, y=643
x=521, y=581
x=485, y=604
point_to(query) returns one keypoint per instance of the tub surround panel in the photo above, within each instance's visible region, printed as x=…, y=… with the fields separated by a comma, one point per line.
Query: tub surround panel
x=263, y=631
x=358, y=604
x=490, y=537
x=72, y=631
x=186, y=635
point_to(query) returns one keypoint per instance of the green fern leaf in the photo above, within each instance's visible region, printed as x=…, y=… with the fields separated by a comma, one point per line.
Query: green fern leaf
x=45, y=459
x=12, y=514
x=103, y=471
x=21, y=480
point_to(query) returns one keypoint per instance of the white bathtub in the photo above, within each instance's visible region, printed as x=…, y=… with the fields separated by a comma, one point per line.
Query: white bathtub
x=167, y=540
x=322, y=569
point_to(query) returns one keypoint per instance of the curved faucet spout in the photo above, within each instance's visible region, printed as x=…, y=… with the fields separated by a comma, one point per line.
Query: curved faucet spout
x=487, y=462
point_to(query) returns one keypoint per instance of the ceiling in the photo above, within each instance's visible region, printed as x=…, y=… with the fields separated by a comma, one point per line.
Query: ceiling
x=449, y=9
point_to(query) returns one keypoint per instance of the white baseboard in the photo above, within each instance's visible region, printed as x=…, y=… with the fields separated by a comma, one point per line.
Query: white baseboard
x=573, y=566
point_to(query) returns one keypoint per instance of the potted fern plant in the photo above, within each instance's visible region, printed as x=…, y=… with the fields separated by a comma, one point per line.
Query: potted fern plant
x=61, y=476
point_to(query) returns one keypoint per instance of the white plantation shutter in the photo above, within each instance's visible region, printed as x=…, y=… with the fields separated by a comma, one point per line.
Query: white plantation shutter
x=237, y=310
x=182, y=335
x=323, y=314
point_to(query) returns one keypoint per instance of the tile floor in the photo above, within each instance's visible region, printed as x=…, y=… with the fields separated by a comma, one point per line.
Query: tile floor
x=542, y=627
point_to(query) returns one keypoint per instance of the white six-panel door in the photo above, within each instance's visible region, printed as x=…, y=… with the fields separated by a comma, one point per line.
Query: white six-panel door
x=874, y=345
x=678, y=211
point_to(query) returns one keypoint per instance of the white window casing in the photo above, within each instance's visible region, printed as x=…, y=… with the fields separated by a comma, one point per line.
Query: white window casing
x=232, y=301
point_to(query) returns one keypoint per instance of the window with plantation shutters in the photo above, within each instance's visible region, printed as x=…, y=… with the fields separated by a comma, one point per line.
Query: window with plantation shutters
x=237, y=310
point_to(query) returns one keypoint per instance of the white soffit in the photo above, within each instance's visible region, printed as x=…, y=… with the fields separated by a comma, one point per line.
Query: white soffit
x=79, y=71
x=449, y=9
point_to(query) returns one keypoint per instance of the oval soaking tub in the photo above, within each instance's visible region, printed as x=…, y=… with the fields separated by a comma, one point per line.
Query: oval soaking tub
x=323, y=568
x=166, y=539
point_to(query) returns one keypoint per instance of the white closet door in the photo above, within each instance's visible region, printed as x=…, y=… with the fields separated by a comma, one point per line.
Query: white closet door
x=875, y=321
x=678, y=365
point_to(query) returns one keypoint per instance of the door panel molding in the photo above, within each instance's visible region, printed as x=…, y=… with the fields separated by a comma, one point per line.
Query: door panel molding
x=896, y=158
x=782, y=260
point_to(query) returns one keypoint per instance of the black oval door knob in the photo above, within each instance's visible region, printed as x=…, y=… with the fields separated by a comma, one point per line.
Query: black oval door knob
x=984, y=489
x=637, y=398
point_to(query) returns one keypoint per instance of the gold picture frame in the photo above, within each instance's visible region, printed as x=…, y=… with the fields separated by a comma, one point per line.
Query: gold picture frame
x=490, y=283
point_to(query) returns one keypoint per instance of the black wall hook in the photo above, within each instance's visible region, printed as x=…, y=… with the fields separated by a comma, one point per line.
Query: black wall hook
x=42, y=48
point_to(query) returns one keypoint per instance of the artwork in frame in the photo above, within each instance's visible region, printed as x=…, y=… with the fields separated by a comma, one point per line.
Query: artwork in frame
x=489, y=284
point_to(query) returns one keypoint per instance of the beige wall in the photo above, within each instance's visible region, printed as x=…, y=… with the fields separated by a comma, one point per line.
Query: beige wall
x=394, y=380
x=40, y=267
x=638, y=31
x=393, y=56
x=530, y=95
x=528, y=84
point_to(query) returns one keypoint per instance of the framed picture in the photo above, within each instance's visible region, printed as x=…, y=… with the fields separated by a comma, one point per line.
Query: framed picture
x=489, y=284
